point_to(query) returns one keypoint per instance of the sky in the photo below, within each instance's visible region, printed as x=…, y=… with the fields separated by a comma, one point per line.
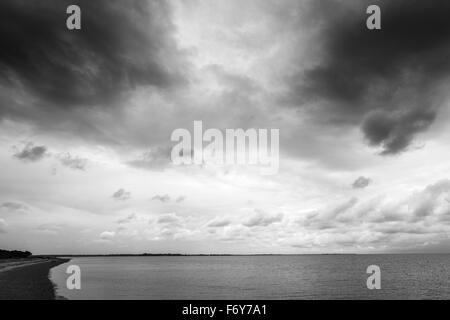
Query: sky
x=86, y=118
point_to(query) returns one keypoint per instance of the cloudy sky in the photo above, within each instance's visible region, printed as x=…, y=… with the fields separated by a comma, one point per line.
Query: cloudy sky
x=86, y=118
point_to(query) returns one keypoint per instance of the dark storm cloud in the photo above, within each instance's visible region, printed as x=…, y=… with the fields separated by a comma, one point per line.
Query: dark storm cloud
x=396, y=131
x=30, y=152
x=385, y=80
x=121, y=45
x=361, y=183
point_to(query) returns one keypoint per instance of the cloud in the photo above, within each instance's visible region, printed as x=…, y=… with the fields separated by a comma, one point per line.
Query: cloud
x=14, y=206
x=330, y=216
x=236, y=234
x=171, y=218
x=55, y=74
x=127, y=219
x=156, y=158
x=2, y=226
x=125, y=232
x=50, y=228
x=431, y=201
x=422, y=216
x=180, y=199
x=164, y=198
x=263, y=219
x=385, y=81
x=399, y=229
x=342, y=208
x=219, y=223
x=107, y=235
x=172, y=226
x=72, y=162
x=121, y=194
x=395, y=131
x=31, y=153
x=361, y=183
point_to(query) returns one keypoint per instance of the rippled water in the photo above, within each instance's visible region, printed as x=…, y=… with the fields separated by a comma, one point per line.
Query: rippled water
x=258, y=277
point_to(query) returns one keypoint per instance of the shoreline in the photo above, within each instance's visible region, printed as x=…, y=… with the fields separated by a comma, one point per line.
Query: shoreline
x=28, y=279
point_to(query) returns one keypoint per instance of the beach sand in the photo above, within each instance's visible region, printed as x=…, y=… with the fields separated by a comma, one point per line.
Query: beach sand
x=27, y=279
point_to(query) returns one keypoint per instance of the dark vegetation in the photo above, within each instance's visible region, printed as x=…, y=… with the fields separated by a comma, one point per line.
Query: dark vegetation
x=5, y=254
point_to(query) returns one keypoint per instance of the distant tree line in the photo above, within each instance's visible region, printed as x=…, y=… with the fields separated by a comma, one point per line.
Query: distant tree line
x=5, y=254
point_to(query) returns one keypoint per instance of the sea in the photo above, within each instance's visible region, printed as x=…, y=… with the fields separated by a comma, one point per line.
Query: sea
x=287, y=277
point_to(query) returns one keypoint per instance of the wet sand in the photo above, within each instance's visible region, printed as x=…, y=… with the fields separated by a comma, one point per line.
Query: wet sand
x=27, y=279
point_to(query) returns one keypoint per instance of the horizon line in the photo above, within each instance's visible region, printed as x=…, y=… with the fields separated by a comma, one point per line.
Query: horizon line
x=224, y=254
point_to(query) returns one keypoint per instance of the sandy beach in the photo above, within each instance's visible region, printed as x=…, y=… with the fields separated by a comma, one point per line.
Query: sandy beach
x=27, y=279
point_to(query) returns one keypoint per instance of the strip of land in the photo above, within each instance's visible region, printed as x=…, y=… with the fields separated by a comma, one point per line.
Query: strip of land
x=27, y=279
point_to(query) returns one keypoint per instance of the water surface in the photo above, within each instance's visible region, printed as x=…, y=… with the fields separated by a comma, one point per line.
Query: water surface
x=257, y=277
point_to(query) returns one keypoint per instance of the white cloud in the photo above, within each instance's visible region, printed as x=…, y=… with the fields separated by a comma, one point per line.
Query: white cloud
x=107, y=235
